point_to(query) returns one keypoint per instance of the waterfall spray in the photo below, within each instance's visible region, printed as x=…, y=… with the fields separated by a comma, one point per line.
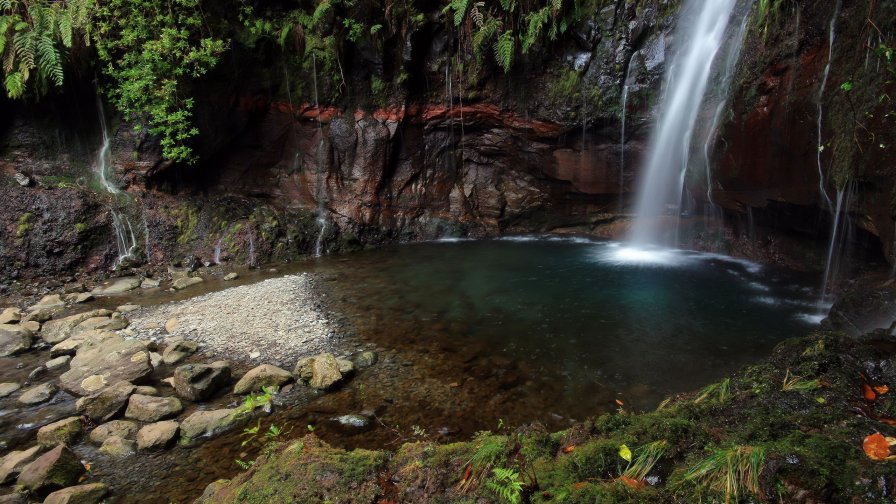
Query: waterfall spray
x=662, y=182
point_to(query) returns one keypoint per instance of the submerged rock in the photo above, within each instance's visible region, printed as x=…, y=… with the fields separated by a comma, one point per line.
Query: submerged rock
x=151, y=409
x=198, y=382
x=264, y=375
x=91, y=493
x=366, y=359
x=210, y=423
x=117, y=286
x=183, y=283
x=14, y=339
x=157, y=435
x=65, y=431
x=322, y=371
x=58, y=468
x=39, y=394
x=231, y=276
x=116, y=446
x=149, y=283
x=120, y=428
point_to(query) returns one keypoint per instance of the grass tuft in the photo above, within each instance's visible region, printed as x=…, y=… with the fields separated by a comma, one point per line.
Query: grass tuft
x=733, y=471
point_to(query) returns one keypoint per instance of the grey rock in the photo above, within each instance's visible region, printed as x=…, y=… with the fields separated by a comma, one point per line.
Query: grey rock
x=117, y=286
x=39, y=394
x=91, y=493
x=149, y=283
x=32, y=325
x=178, y=351
x=120, y=428
x=22, y=179
x=65, y=431
x=101, y=362
x=231, y=276
x=210, y=423
x=157, y=435
x=183, y=283
x=14, y=339
x=56, y=331
x=321, y=371
x=58, y=363
x=197, y=382
x=366, y=359
x=264, y=375
x=52, y=301
x=58, y=468
x=13, y=463
x=107, y=403
x=10, y=316
x=152, y=409
x=8, y=388
x=127, y=308
x=146, y=390
x=116, y=446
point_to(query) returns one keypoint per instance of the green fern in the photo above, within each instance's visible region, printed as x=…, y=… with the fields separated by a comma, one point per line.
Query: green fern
x=484, y=35
x=508, y=5
x=504, y=48
x=537, y=21
x=507, y=485
x=460, y=10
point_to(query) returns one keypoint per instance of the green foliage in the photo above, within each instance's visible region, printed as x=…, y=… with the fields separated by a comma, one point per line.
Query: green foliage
x=644, y=460
x=264, y=400
x=33, y=34
x=733, y=472
x=506, y=484
x=504, y=47
x=151, y=52
x=720, y=391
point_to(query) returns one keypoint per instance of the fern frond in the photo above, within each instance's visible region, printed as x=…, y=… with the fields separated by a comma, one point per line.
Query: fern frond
x=484, y=35
x=508, y=5
x=556, y=5
x=65, y=28
x=15, y=85
x=49, y=60
x=24, y=42
x=476, y=14
x=320, y=12
x=504, y=48
x=537, y=21
x=460, y=10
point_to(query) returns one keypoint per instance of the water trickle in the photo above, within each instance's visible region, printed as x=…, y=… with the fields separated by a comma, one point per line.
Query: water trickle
x=216, y=258
x=841, y=235
x=832, y=35
x=252, y=259
x=624, y=111
x=702, y=32
x=321, y=173
x=125, y=239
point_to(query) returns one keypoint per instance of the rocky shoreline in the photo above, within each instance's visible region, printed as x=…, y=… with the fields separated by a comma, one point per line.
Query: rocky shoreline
x=93, y=385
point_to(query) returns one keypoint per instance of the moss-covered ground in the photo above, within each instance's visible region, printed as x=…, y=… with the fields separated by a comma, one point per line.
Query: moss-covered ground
x=786, y=430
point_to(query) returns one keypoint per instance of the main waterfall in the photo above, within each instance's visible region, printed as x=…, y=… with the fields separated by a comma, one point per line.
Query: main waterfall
x=700, y=35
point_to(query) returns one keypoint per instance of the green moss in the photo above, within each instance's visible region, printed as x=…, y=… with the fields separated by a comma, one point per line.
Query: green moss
x=23, y=225
x=80, y=227
x=187, y=222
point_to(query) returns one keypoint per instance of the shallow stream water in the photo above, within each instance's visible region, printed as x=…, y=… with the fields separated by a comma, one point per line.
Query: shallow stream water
x=473, y=335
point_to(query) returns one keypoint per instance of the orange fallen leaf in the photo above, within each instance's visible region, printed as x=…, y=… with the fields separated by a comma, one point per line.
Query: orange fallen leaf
x=580, y=485
x=569, y=448
x=881, y=389
x=868, y=393
x=619, y=402
x=631, y=482
x=468, y=472
x=877, y=447
x=454, y=385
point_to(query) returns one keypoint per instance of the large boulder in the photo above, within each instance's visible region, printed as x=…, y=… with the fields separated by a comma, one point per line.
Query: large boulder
x=58, y=468
x=117, y=286
x=264, y=375
x=71, y=345
x=55, y=331
x=157, y=435
x=209, y=424
x=183, y=283
x=65, y=431
x=178, y=351
x=107, y=403
x=39, y=394
x=105, y=361
x=197, y=382
x=114, y=323
x=14, y=339
x=48, y=302
x=91, y=493
x=151, y=409
x=13, y=463
x=120, y=428
x=322, y=371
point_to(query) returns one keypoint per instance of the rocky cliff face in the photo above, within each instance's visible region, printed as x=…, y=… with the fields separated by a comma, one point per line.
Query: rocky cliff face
x=446, y=155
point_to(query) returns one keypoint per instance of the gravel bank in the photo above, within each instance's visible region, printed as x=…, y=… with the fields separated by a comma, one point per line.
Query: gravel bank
x=273, y=321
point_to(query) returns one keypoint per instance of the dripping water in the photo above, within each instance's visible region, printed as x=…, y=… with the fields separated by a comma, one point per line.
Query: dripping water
x=625, y=89
x=824, y=82
x=321, y=179
x=216, y=258
x=841, y=230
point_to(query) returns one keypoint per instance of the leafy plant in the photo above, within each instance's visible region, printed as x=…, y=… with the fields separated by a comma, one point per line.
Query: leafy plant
x=721, y=390
x=734, y=471
x=33, y=35
x=490, y=450
x=645, y=458
x=798, y=383
x=264, y=400
x=506, y=484
x=151, y=52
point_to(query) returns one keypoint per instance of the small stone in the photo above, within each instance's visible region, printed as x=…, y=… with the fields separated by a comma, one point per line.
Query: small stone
x=51, y=301
x=155, y=359
x=39, y=394
x=14, y=339
x=13, y=463
x=65, y=431
x=58, y=468
x=31, y=325
x=117, y=286
x=83, y=297
x=178, y=351
x=58, y=362
x=183, y=283
x=120, y=428
x=198, y=382
x=157, y=435
x=8, y=388
x=231, y=276
x=152, y=409
x=74, y=287
x=171, y=325
x=146, y=390
x=91, y=493
x=11, y=316
x=264, y=375
x=41, y=315
x=321, y=372
x=116, y=446
x=366, y=359
x=36, y=373
x=149, y=283
x=127, y=308
x=22, y=179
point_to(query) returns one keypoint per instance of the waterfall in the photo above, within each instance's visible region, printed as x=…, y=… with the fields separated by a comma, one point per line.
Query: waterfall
x=625, y=88
x=216, y=258
x=701, y=34
x=321, y=177
x=125, y=240
x=840, y=236
x=832, y=35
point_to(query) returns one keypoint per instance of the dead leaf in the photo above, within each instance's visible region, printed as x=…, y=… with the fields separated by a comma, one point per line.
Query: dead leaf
x=620, y=403
x=868, y=393
x=468, y=472
x=631, y=482
x=454, y=385
x=881, y=389
x=569, y=448
x=877, y=447
x=580, y=485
